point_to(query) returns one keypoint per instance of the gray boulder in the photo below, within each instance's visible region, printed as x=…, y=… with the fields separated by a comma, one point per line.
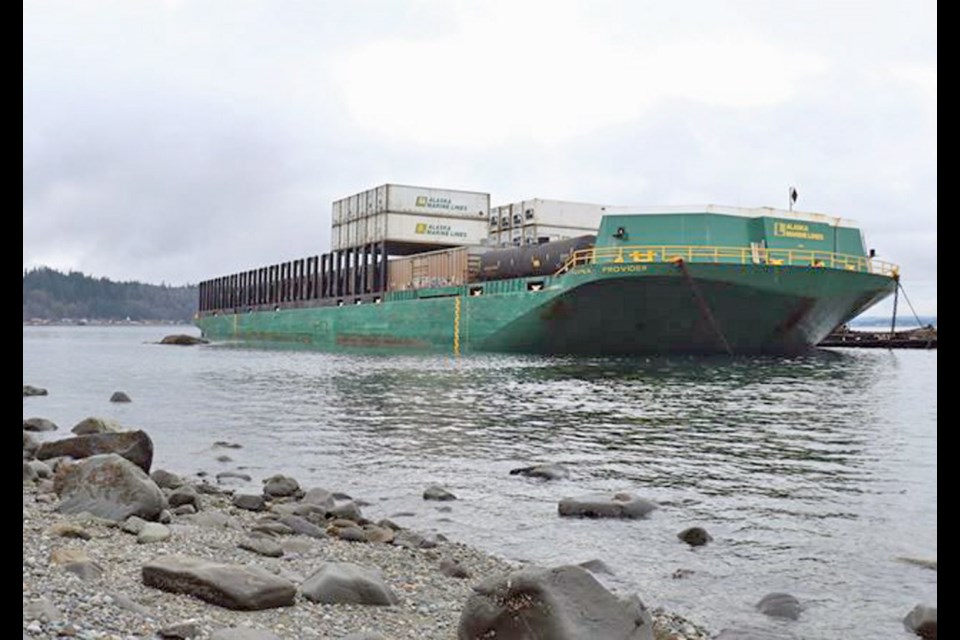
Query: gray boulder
x=152, y=532
x=119, y=396
x=231, y=586
x=780, y=605
x=596, y=566
x=347, y=510
x=436, y=492
x=263, y=546
x=30, y=445
x=564, y=603
x=108, y=486
x=135, y=446
x=29, y=473
x=30, y=390
x=347, y=583
x=166, y=480
x=620, y=505
x=303, y=526
x=92, y=425
x=280, y=486
x=38, y=424
x=184, y=495
x=42, y=468
x=319, y=497
x=249, y=501
x=695, y=536
x=922, y=621
x=183, y=340
x=550, y=471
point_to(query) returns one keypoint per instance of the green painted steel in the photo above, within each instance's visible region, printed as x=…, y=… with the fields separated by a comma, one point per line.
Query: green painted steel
x=592, y=309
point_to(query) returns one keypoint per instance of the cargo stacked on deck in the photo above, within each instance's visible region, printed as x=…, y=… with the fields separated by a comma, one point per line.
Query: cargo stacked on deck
x=538, y=221
x=409, y=219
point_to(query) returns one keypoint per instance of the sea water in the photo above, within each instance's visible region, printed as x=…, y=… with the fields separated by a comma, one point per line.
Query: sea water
x=815, y=475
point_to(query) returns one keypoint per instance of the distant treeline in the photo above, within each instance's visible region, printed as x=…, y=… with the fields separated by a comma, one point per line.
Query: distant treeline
x=49, y=294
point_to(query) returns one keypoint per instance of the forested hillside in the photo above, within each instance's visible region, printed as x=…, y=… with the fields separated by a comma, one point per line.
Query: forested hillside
x=49, y=294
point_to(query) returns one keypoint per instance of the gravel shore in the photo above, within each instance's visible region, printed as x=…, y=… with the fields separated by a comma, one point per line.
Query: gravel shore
x=82, y=578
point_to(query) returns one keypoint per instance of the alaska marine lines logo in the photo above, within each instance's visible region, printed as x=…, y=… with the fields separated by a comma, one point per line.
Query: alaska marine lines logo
x=442, y=230
x=445, y=204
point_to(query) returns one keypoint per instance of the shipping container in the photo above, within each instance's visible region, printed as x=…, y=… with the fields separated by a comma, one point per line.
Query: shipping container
x=414, y=200
x=449, y=267
x=412, y=231
x=556, y=213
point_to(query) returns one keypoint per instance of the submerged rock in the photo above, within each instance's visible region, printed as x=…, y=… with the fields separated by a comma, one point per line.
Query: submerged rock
x=30, y=390
x=695, y=536
x=436, y=492
x=563, y=603
x=182, y=339
x=620, y=505
x=231, y=586
x=119, y=396
x=550, y=471
x=780, y=605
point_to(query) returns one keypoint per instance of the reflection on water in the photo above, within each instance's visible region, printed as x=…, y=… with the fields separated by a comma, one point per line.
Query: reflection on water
x=812, y=473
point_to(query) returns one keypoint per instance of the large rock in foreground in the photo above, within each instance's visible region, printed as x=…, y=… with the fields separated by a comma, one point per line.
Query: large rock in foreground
x=231, y=586
x=347, y=583
x=564, y=603
x=620, y=505
x=108, y=486
x=135, y=446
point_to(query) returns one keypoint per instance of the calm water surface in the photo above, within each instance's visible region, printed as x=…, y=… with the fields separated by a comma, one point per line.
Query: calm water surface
x=813, y=474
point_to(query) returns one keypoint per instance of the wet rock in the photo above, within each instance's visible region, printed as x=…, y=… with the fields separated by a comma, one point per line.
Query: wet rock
x=920, y=562
x=92, y=425
x=227, y=445
x=263, y=546
x=436, y=492
x=319, y=497
x=680, y=574
x=184, y=495
x=30, y=390
x=38, y=424
x=210, y=489
x=152, y=532
x=373, y=533
x=695, y=536
x=43, y=469
x=412, y=540
x=922, y=621
x=347, y=583
x=249, y=501
x=180, y=630
x=30, y=445
x=303, y=526
x=135, y=446
x=133, y=525
x=29, y=473
x=780, y=605
x=213, y=519
x=350, y=534
x=166, y=480
x=224, y=459
x=108, y=486
x=550, y=471
x=451, y=568
x=348, y=510
x=232, y=586
x=620, y=505
x=273, y=529
x=119, y=396
x=596, y=566
x=183, y=340
x=184, y=510
x=280, y=486
x=226, y=476
x=243, y=633
x=564, y=603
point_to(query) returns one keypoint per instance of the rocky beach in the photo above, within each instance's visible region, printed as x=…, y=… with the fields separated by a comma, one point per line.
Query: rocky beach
x=110, y=552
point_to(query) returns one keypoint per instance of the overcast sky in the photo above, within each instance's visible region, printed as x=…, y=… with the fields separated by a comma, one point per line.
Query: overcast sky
x=175, y=141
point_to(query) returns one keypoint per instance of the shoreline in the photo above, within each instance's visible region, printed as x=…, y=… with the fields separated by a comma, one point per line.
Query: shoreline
x=108, y=599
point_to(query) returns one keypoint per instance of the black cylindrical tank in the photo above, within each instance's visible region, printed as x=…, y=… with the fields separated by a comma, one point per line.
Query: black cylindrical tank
x=531, y=260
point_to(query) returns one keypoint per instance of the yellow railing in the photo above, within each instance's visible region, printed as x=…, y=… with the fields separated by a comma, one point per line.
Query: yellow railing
x=730, y=255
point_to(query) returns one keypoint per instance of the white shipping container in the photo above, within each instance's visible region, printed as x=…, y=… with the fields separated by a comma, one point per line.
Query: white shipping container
x=442, y=202
x=407, y=228
x=558, y=213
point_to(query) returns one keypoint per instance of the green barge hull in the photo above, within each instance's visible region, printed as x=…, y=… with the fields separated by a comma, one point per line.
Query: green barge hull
x=591, y=309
